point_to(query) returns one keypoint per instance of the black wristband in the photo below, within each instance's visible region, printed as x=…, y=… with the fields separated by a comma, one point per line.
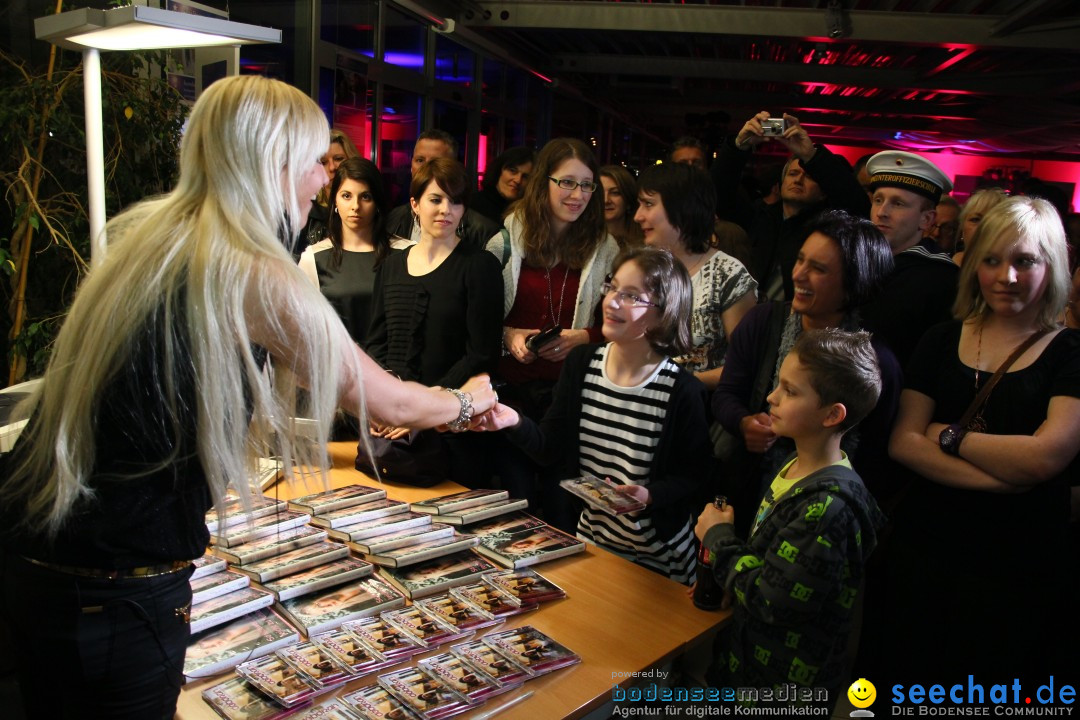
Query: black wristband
x=951, y=437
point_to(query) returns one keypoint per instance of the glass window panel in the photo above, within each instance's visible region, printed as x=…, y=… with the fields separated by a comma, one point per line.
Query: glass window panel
x=272, y=60
x=516, y=135
x=454, y=119
x=454, y=64
x=404, y=44
x=350, y=24
x=354, y=100
x=493, y=78
x=399, y=125
x=517, y=85
x=489, y=146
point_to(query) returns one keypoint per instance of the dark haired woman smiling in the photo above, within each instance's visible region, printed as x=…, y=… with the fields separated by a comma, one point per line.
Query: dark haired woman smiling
x=841, y=264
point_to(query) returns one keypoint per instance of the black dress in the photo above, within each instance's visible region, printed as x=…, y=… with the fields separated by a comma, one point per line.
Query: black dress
x=349, y=287
x=443, y=327
x=979, y=579
x=490, y=204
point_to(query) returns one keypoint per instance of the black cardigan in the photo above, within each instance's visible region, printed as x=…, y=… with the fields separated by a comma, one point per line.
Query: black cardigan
x=680, y=478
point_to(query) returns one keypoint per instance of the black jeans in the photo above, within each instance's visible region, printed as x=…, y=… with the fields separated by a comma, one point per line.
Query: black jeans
x=115, y=646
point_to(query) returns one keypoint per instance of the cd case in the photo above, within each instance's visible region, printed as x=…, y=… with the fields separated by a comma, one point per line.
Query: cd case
x=531, y=648
x=528, y=586
x=602, y=495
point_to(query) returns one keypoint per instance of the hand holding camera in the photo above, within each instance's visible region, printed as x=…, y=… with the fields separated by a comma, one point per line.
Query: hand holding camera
x=786, y=129
x=758, y=129
x=773, y=127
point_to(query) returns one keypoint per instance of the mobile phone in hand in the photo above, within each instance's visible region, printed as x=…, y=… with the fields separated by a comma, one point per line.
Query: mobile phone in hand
x=534, y=342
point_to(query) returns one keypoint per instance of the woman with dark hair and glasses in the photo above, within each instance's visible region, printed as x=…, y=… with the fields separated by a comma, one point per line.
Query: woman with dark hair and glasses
x=625, y=411
x=504, y=182
x=840, y=265
x=343, y=265
x=677, y=212
x=555, y=253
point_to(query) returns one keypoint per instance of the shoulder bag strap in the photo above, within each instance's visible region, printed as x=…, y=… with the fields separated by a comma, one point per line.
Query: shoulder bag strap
x=984, y=393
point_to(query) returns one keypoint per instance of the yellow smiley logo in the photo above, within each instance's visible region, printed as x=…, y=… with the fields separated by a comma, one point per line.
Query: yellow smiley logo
x=862, y=693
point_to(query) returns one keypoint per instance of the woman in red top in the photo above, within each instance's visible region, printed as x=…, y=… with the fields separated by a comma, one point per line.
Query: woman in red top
x=556, y=253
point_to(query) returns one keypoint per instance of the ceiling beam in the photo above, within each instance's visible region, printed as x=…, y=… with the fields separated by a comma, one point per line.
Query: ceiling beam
x=795, y=103
x=786, y=101
x=877, y=26
x=1031, y=81
x=761, y=71
x=1020, y=18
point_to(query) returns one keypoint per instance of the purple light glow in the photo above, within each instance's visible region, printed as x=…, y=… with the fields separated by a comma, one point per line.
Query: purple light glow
x=409, y=60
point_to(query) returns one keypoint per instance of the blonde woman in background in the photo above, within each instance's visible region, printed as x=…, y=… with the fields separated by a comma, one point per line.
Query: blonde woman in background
x=980, y=203
x=156, y=401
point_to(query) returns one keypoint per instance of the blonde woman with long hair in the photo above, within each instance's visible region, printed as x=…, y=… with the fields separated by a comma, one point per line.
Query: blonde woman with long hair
x=156, y=400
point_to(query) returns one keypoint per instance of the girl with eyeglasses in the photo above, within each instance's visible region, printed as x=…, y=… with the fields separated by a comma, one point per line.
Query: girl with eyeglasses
x=555, y=253
x=625, y=411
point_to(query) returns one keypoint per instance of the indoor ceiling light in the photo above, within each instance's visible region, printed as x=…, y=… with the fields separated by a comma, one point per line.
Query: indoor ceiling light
x=137, y=27
x=134, y=27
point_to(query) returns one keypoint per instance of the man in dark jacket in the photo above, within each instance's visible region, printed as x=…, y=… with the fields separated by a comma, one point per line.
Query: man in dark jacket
x=813, y=179
x=475, y=229
x=920, y=290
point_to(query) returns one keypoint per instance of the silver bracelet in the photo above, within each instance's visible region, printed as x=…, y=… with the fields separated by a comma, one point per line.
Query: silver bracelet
x=463, y=418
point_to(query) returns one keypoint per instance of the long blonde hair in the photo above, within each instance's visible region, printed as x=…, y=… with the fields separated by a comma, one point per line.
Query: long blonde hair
x=208, y=261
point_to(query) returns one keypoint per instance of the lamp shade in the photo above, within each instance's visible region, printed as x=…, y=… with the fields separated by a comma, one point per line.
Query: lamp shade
x=137, y=27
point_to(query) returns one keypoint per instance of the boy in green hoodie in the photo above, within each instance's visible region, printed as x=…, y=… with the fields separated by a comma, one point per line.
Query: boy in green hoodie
x=795, y=580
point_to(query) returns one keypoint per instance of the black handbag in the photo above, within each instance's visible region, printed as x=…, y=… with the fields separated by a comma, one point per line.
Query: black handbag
x=418, y=459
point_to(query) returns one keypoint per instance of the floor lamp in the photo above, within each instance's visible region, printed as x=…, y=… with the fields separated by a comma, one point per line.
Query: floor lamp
x=134, y=27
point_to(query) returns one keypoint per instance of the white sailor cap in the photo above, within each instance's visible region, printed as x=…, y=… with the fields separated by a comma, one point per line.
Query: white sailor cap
x=895, y=168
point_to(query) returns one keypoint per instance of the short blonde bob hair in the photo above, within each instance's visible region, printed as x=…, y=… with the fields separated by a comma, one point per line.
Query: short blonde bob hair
x=1008, y=221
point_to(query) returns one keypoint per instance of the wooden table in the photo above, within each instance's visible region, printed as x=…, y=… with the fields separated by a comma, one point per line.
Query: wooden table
x=618, y=616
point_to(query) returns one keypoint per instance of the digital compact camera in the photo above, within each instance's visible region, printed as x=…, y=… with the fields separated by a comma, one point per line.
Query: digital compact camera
x=773, y=127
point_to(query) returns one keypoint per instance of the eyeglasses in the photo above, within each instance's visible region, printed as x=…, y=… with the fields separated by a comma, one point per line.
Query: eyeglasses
x=626, y=299
x=586, y=186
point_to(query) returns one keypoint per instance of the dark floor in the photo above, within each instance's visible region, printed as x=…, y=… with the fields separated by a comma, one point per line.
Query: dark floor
x=11, y=707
